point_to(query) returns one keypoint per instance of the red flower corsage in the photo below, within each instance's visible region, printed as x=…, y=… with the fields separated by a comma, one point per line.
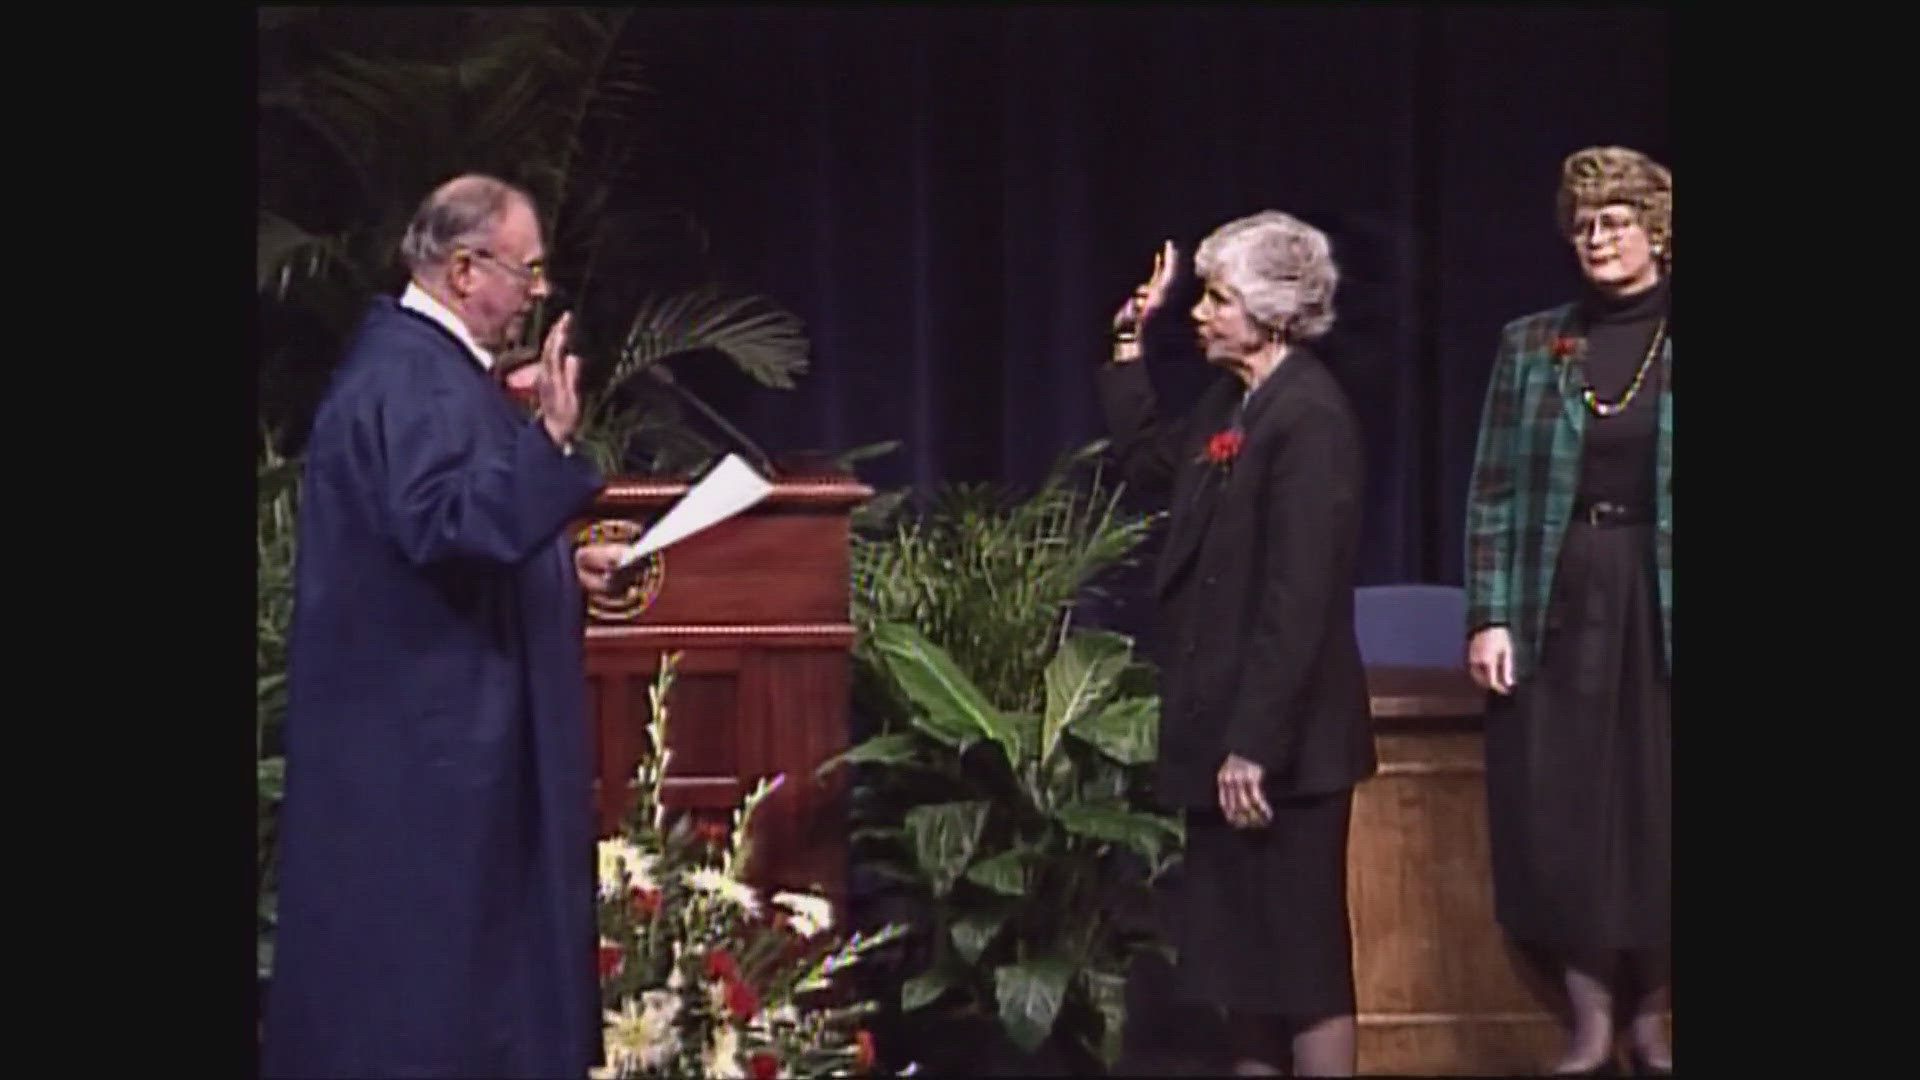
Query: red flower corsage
x=1565, y=345
x=1222, y=447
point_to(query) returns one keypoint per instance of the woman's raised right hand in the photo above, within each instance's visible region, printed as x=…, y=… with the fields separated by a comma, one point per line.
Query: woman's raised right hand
x=1148, y=297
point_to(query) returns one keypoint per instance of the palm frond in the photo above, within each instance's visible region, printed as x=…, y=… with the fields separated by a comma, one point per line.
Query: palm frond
x=847, y=459
x=765, y=342
x=286, y=255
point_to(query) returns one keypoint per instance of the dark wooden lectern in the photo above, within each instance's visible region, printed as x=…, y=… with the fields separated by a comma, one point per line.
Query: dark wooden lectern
x=1440, y=990
x=757, y=608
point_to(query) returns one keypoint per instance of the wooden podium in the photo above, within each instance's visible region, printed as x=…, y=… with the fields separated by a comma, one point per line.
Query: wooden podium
x=757, y=608
x=1440, y=990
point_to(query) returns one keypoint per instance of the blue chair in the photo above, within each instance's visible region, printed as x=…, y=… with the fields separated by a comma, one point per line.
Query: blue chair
x=1411, y=625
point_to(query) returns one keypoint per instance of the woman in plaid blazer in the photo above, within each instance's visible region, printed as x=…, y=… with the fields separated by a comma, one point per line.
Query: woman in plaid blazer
x=1570, y=608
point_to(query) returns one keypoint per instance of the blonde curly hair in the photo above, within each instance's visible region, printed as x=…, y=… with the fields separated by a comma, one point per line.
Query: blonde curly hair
x=1601, y=175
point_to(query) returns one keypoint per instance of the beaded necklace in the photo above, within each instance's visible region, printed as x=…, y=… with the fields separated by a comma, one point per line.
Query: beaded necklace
x=1605, y=409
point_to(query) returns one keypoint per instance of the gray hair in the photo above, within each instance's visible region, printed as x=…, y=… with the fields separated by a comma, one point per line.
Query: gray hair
x=1282, y=268
x=464, y=210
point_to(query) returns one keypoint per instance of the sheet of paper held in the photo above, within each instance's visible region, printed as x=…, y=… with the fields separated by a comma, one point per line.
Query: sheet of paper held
x=731, y=487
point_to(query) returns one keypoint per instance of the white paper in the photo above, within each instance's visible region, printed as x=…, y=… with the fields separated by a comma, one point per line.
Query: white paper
x=730, y=488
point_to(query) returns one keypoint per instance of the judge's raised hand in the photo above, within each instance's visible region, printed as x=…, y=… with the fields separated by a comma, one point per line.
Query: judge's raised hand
x=1148, y=297
x=1242, y=802
x=594, y=565
x=1490, y=659
x=557, y=383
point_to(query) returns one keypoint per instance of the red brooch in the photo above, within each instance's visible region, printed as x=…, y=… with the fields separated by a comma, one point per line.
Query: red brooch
x=1223, y=447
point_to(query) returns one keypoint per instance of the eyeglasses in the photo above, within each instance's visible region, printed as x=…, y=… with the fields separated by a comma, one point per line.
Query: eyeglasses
x=1608, y=223
x=532, y=276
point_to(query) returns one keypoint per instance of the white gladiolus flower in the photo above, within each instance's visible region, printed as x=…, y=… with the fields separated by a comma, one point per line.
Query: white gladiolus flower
x=641, y=1035
x=662, y=1010
x=715, y=883
x=722, y=1057
x=619, y=856
x=811, y=914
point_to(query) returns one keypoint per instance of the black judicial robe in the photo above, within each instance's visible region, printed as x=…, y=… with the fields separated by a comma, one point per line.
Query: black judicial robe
x=437, y=868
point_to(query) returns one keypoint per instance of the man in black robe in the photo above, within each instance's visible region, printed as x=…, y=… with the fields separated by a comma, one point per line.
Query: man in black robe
x=436, y=905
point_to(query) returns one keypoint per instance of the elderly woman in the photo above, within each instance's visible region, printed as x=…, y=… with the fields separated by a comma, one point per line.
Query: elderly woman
x=1264, y=726
x=1570, y=596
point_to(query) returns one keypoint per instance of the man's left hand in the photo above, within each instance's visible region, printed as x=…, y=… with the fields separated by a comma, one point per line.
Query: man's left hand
x=594, y=565
x=1241, y=800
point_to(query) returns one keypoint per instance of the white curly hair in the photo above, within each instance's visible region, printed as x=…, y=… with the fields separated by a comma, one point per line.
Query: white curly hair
x=1282, y=268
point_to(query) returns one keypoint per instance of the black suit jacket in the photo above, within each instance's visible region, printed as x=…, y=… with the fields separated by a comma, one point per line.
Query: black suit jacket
x=1255, y=582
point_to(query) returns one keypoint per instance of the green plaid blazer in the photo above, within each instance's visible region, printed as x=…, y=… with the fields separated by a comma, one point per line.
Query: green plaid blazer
x=1525, y=471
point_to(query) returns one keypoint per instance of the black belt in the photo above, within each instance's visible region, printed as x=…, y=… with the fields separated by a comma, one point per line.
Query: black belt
x=1611, y=513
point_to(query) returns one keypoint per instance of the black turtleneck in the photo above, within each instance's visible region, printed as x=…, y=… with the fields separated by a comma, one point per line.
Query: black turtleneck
x=1617, y=464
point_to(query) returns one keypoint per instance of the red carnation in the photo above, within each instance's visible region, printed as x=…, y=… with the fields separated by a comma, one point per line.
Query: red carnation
x=862, y=1050
x=741, y=1000
x=720, y=965
x=645, y=901
x=763, y=1066
x=1224, y=446
x=1565, y=345
x=611, y=957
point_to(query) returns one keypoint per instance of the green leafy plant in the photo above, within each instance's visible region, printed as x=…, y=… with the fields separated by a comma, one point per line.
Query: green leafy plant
x=277, y=483
x=1014, y=753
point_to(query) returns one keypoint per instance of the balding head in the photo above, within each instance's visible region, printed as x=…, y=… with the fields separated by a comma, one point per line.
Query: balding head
x=474, y=245
x=462, y=211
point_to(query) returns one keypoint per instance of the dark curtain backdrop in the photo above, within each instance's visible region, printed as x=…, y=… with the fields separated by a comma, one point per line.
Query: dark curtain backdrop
x=956, y=199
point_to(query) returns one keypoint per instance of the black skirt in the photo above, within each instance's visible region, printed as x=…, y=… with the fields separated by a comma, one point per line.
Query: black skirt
x=1259, y=916
x=1580, y=760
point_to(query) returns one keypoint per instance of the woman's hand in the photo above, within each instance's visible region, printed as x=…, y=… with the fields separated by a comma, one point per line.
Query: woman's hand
x=1147, y=298
x=1490, y=659
x=1241, y=801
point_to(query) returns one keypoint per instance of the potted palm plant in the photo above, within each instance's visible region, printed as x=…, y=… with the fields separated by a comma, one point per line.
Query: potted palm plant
x=1004, y=797
x=364, y=111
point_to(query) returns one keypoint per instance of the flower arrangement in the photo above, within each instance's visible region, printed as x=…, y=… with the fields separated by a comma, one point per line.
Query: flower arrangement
x=700, y=974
